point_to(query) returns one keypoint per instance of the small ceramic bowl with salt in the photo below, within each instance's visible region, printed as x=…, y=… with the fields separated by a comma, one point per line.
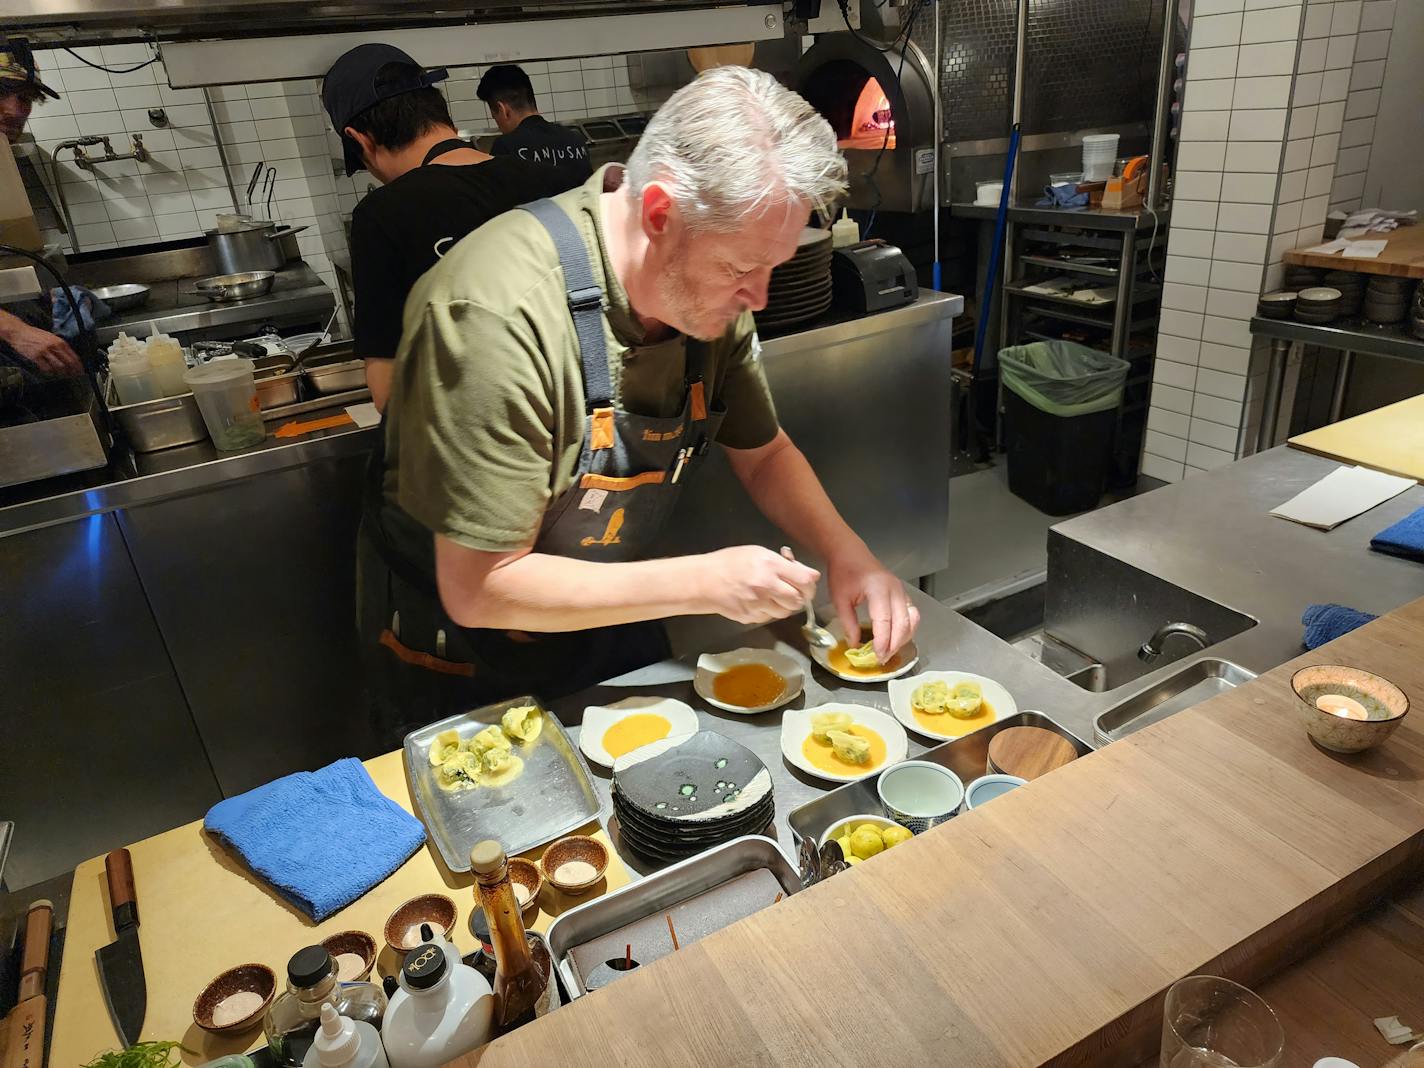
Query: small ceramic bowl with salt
x=235, y=1000
x=575, y=864
x=354, y=953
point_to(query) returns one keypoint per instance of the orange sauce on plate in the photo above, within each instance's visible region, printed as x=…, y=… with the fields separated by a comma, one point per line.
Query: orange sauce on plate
x=836, y=658
x=748, y=685
x=822, y=755
x=634, y=732
x=952, y=726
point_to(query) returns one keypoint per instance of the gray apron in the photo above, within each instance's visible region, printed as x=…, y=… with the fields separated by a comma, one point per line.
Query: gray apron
x=420, y=665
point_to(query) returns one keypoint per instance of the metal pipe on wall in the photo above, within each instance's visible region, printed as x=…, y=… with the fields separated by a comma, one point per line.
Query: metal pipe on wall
x=222, y=152
x=1165, y=64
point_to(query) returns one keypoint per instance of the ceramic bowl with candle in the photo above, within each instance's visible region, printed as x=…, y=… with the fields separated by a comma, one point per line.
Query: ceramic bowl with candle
x=1346, y=709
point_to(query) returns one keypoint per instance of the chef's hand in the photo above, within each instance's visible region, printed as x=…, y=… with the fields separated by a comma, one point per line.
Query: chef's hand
x=47, y=352
x=856, y=579
x=750, y=584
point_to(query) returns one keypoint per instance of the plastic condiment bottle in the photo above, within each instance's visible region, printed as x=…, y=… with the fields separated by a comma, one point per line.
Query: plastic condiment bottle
x=442, y=1010
x=343, y=1043
x=134, y=380
x=165, y=356
x=294, y=1017
x=844, y=231
x=519, y=983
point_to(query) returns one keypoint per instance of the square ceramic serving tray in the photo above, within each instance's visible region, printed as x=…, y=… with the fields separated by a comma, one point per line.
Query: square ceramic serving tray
x=553, y=795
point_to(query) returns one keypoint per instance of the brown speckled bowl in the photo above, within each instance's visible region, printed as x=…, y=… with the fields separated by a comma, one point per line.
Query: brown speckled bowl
x=575, y=847
x=435, y=909
x=357, y=942
x=527, y=874
x=1387, y=705
x=245, y=978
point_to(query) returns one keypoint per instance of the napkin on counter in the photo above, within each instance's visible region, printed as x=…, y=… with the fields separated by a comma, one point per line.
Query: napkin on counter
x=1405, y=538
x=321, y=838
x=1326, y=622
x=1342, y=494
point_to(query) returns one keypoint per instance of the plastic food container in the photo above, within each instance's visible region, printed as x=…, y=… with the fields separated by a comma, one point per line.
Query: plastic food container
x=226, y=392
x=988, y=193
x=1099, y=155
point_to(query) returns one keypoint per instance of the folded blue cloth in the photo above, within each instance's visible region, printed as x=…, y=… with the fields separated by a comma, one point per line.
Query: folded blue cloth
x=65, y=323
x=1063, y=195
x=321, y=838
x=1326, y=622
x=1405, y=538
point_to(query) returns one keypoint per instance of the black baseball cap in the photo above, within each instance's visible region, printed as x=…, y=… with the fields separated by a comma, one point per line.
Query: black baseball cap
x=350, y=88
x=18, y=68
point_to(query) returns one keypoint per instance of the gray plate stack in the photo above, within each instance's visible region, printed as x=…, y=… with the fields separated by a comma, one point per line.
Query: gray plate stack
x=801, y=287
x=1351, y=285
x=1318, y=305
x=1387, y=299
x=1416, y=312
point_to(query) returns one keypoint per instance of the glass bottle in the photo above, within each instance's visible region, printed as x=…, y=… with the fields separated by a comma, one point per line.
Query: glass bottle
x=519, y=982
x=292, y=1021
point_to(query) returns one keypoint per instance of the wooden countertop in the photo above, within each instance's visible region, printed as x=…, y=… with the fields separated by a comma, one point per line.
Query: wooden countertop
x=1045, y=928
x=201, y=912
x=1389, y=439
x=1403, y=257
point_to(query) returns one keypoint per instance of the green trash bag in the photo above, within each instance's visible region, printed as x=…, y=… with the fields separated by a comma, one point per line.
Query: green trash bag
x=1062, y=377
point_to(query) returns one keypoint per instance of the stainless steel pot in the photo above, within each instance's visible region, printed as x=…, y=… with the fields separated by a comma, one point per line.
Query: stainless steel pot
x=258, y=247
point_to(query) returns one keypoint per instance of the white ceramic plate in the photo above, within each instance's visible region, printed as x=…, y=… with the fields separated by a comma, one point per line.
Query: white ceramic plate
x=909, y=656
x=598, y=718
x=796, y=728
x=902, y=689
x=710, y=665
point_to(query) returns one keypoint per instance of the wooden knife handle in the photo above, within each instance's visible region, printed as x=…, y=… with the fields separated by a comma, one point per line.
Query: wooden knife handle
x=118, y=866
x=34, y=961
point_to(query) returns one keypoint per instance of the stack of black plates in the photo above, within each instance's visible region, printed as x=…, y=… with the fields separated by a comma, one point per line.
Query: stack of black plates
x=1416, y=312
x=1387, y=299
x=1277, y=305
x=801, y=287
x=1318, y=305
x=1351, y=285
x=689, y=794
x=1298, y=277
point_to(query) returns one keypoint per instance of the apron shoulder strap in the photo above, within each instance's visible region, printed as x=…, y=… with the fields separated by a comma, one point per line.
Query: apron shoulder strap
x=450, y=144
x=585, y=300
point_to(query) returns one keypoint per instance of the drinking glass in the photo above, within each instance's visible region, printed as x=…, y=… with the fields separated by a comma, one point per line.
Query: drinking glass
x=1209, y=1022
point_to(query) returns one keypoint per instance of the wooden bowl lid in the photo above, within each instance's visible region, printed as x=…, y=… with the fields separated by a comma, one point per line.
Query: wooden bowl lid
x=1029, y=752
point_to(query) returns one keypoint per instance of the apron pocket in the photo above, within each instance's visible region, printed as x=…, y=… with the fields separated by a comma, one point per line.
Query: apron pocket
x=622, y=483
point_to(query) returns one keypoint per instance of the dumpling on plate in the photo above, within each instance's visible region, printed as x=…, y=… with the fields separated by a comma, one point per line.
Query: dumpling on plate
x=965, y=700
x=863, y=656
x=850, y=748
x=523, y=724
x=931, y=698
x=822, y=723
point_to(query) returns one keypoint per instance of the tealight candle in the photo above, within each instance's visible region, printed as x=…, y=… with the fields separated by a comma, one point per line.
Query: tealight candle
x=1337, y=704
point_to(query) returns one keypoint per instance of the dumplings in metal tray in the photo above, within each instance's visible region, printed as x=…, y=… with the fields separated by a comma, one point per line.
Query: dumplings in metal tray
x=523, y=724
x=446, y=745
x=489, y=738
x=822, y=723
x=461, y=769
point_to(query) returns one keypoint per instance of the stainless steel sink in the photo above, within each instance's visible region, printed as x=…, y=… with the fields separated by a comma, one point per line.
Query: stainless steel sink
x=1195, y=683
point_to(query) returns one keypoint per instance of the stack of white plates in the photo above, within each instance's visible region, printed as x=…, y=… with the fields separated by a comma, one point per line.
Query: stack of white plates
x=801, y=287
x=1099, y=154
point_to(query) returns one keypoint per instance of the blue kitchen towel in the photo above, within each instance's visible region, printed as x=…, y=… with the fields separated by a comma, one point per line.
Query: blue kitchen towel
x=1063, y=195
x=1405, y=538
x=64, y=322
x=1326, y=622
x=322, y=838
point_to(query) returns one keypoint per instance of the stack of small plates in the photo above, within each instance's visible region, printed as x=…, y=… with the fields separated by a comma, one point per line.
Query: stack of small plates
x=1298, y=277
x=801, y=287
x=1318, y=305
x=683, y=795
x=1278, y=305
x=1387, y=299
x=1416, y=313
x=1351, y=285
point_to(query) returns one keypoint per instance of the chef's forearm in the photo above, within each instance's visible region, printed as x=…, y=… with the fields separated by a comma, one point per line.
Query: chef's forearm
x=10, y=325
x=783, y=485
x=540, y=592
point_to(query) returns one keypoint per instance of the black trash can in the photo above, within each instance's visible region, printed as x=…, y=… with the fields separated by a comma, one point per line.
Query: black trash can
x=1061, y=404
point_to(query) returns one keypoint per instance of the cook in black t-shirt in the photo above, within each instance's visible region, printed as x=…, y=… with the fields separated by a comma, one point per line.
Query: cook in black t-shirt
x=523, y=131
x=435, y=188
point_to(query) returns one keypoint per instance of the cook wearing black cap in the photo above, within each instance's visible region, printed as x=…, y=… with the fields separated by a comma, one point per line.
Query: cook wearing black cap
x=435, y=187
x=24, y=344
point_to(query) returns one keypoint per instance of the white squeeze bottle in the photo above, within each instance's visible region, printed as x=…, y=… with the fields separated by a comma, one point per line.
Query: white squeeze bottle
x=441, y=1010
x=844, y=231
x=165, y=356
x=132, y=374
x=344, y=1043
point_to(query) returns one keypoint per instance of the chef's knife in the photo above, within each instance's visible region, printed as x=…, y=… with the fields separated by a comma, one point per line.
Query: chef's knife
x=25, y=1041
x=121, y=963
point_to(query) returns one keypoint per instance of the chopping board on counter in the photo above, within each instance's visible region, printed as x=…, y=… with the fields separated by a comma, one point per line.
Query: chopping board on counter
x=1389, y=439
x=204, y=912
x=1403, y=256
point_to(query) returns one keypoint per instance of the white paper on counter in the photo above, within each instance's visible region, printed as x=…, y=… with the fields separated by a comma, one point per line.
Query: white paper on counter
x=1343, y=494
x=1329, y=248
x=1364, y=250
x=363, y=415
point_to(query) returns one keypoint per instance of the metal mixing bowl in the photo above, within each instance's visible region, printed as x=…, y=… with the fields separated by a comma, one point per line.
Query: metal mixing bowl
x=225, y=287
x=124, y=297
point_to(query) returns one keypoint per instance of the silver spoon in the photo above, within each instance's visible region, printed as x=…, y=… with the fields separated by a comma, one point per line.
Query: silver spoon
x=815, y=634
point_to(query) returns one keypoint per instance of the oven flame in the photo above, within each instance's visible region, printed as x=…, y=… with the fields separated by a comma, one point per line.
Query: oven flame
x=873, y=122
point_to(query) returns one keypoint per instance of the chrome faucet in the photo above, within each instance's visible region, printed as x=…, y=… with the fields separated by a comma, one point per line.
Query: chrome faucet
x=1151, y=650
x=85, y=162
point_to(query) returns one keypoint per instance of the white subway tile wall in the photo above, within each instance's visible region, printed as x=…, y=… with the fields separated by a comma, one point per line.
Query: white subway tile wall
x=181, y=189
x=1359, y=107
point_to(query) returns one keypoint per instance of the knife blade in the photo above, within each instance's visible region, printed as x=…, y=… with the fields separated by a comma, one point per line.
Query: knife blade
x=121, y=962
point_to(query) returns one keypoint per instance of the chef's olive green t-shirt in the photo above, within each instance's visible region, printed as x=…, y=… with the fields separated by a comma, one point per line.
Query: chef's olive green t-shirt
x=487, y=413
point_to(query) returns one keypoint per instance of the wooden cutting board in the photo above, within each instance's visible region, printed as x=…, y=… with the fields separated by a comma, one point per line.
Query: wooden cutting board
x=1403, y=257
x=1389, y=439
x=202, y=912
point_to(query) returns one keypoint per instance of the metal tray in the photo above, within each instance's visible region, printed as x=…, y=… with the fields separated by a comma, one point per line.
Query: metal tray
x=334, y=374
x=276, y=391
x=160, y=424
x=551, y=797
x=967, y=757
x=661, y=892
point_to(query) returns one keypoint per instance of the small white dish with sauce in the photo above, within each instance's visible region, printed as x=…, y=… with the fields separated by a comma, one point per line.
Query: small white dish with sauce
x=999, y=700
x=796, y=728
x=600, y=720
x=711, y=665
